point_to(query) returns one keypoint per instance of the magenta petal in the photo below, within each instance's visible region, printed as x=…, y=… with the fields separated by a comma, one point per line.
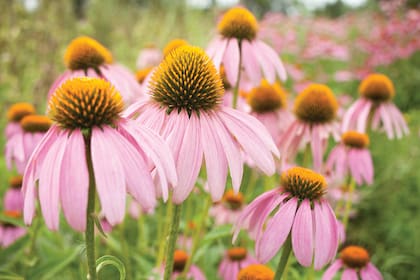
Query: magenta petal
x=109, y=176
x=278, y=228
x=370, y=272
x=74, y=188
x=349, y=274
x=50, y=182
x=332, y=270
x=302, y=234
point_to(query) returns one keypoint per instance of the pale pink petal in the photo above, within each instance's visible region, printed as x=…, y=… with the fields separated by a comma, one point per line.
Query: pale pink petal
x=302, y=234
x=50, y=182
x=109, y=176
x=216, y=162
x=231, y=61
x=219, y=51
x=332, y=270
x=273, y=57
x=370, y=272
x=316, y=147
x=250, y=63
x=349, y=274
x=278, y=228
x=363, y=117
x=266, y=65
x=75, y=181
x=386, y=120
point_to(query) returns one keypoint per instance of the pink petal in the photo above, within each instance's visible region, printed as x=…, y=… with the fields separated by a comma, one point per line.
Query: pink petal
x=74, y=185
x=316, y=147
x=273, y=57
x=266, y=65
x=332, y=270
x=231, y=61
x=278, y=228
x=349, y=274
x=363, y=117
x=302, y=234
x=250, y=63
x=219, y=51
x=370, y=272
x=109, y=176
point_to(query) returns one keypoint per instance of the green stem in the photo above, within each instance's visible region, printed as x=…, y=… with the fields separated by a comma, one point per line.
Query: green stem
x=90, y=222
x=164, y=234
x=307, y=157
x=238, y=78
x=311, y=273
x=287, y=248
x=349, y=202
x=172, y=241
x=125, y=250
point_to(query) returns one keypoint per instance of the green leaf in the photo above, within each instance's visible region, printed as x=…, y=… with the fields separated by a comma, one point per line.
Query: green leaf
x=9, y=253
x=13, y=221
x=8, y=275
x=111, y=260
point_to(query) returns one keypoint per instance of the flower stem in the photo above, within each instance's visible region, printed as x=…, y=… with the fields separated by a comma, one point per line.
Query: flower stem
x=90, y=222
x=287, y=248
x=238, y=78
x=164, y=231
x=172, y=241
x=349, y=201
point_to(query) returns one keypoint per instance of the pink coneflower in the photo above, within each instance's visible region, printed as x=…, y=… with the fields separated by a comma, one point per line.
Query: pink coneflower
x=228, y=209
x=15, y=114
x=185, y=109
x=90, y=137
x=235, y=259
x=9, y=232
x=238, y=43
x=87, y=57
x=356, y=263
x=315, y=109
x=351, y=157
x=303, y=215
x=20, y=146
x=13, y=198
x=375, y=107
x=149, y=57
x=268, y=104
x=256, y=272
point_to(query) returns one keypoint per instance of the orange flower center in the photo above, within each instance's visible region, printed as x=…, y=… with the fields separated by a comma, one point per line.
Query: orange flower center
x=377, y=87
x=16, y=182
x=17, y=111
x=355, y=256
x=142, y=74
x=172, y=45
x=84, y=52
x=187, y=80
x=238, y=23
x=35, y=123
x=180, y=260
x=13, y=214
x=303, y=183
x=256, y=272
x=316, y=104
x=267, y=97
x=237, y=253
x=84, y=103
x=232, y=200
x=355, y=139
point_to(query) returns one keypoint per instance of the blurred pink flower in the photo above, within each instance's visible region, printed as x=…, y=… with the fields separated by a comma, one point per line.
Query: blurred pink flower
x=15, y=114
x=149, y=57
x=234, y=260
x=9, y=232
x=13, y=197
x=228, y=209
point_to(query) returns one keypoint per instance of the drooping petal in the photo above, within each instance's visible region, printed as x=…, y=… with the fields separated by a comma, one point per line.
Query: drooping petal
x=349, y=274
x=231, y=61
x=219, y=46
x=250, y=63
x=302, y=234
x=278, y=228
x=332, y=270
x=74, y=181
x=109, y=176
x=362, y=118
x=316, y=147
x=266, y=65
x=370, y=272
x=273, y=57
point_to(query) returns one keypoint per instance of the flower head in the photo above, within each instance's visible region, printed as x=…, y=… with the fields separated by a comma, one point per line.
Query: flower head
x=256, y=272
x=234, y=260
x=355, y=139
x=19, y=110
x=267, y=97
x=377, y=87
x=10, y=232
x=227, y=210
x=142, y=74
x=172, y=45
x=13, y=198
x=238, y=23
x=303, y=214
x=35, y=123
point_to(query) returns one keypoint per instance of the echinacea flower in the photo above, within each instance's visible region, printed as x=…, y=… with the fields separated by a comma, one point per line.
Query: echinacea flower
x=268, y=104
x=302, y=213
x=20, y=146
x=15, y=114
x=87, y=57
x=352, y=157
x=355, y=261
x=9, y=232
x=173, y=45
x=235, y=259
x=90, y=136
x=315, y=110
x=13, y=198
x=185, y=108
x=228, y=209
x=256, y=272
x=375, y=107
x=237, y=42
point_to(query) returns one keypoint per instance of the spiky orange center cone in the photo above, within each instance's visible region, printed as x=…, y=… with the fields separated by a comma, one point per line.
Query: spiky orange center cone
x=377, y=87
x=355, y=256
x=316, y=104
x=19, y=110
x=35, y=123
x=303, y=183
x=238, y=23
x=180, y=260
x=267, y=97
x=232, y=200
x=172, y=45
x=84, y=103
x=84, y=52
x=187, y=80
x=355, y=139
x=142, y=74
x=237, y=253
x=15, y=182
x=256, y=272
